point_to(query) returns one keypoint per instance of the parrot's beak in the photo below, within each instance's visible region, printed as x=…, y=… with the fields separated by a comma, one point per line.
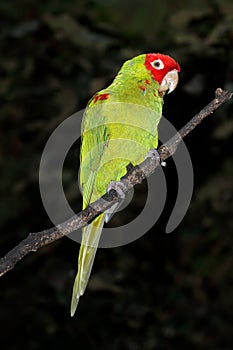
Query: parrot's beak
x=170, y=81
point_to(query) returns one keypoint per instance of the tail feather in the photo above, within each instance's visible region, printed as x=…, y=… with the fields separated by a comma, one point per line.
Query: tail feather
x=90, y=240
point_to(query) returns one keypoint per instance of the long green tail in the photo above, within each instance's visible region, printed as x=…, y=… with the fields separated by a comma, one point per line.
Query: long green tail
x=90, y=240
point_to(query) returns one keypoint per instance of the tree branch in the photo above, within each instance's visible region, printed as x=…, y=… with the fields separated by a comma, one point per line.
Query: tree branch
x=134, y=175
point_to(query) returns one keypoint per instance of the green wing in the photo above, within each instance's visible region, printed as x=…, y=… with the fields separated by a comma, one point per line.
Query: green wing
x=94, y=142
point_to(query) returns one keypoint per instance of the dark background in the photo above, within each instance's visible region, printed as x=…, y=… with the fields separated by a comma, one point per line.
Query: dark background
x=163, y=291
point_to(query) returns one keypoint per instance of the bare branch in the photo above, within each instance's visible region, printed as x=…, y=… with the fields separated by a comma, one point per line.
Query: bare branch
x=135, y=175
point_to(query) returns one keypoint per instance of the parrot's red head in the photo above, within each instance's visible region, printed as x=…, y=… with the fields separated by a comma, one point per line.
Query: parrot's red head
x=164, y=70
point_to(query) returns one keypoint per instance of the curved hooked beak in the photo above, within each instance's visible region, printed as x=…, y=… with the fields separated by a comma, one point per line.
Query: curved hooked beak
x=170, y=81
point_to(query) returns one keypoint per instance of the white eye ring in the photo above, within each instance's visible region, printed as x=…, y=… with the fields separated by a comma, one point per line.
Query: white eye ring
x=157, y=64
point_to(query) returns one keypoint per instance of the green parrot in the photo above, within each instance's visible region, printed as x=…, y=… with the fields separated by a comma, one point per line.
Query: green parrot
x=119, y=127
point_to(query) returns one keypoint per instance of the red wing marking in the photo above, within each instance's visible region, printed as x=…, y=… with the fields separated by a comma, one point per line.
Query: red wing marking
x=101, y=97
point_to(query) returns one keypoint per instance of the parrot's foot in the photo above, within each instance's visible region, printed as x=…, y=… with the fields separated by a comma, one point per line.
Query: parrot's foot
x=153, y=153
x=119, y=187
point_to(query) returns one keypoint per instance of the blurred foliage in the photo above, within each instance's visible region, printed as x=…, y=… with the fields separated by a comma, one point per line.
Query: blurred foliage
x=163, y=291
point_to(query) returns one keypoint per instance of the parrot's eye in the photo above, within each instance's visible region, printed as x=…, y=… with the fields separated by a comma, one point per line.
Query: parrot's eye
x=157, y=64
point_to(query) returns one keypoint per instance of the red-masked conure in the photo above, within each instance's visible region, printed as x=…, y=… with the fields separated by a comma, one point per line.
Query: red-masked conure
x=119, y=127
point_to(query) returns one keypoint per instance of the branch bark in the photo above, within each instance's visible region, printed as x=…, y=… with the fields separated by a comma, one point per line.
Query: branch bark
x=135, y=175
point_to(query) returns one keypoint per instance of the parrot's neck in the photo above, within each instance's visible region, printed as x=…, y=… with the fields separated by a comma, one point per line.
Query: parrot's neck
x=136, y=86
